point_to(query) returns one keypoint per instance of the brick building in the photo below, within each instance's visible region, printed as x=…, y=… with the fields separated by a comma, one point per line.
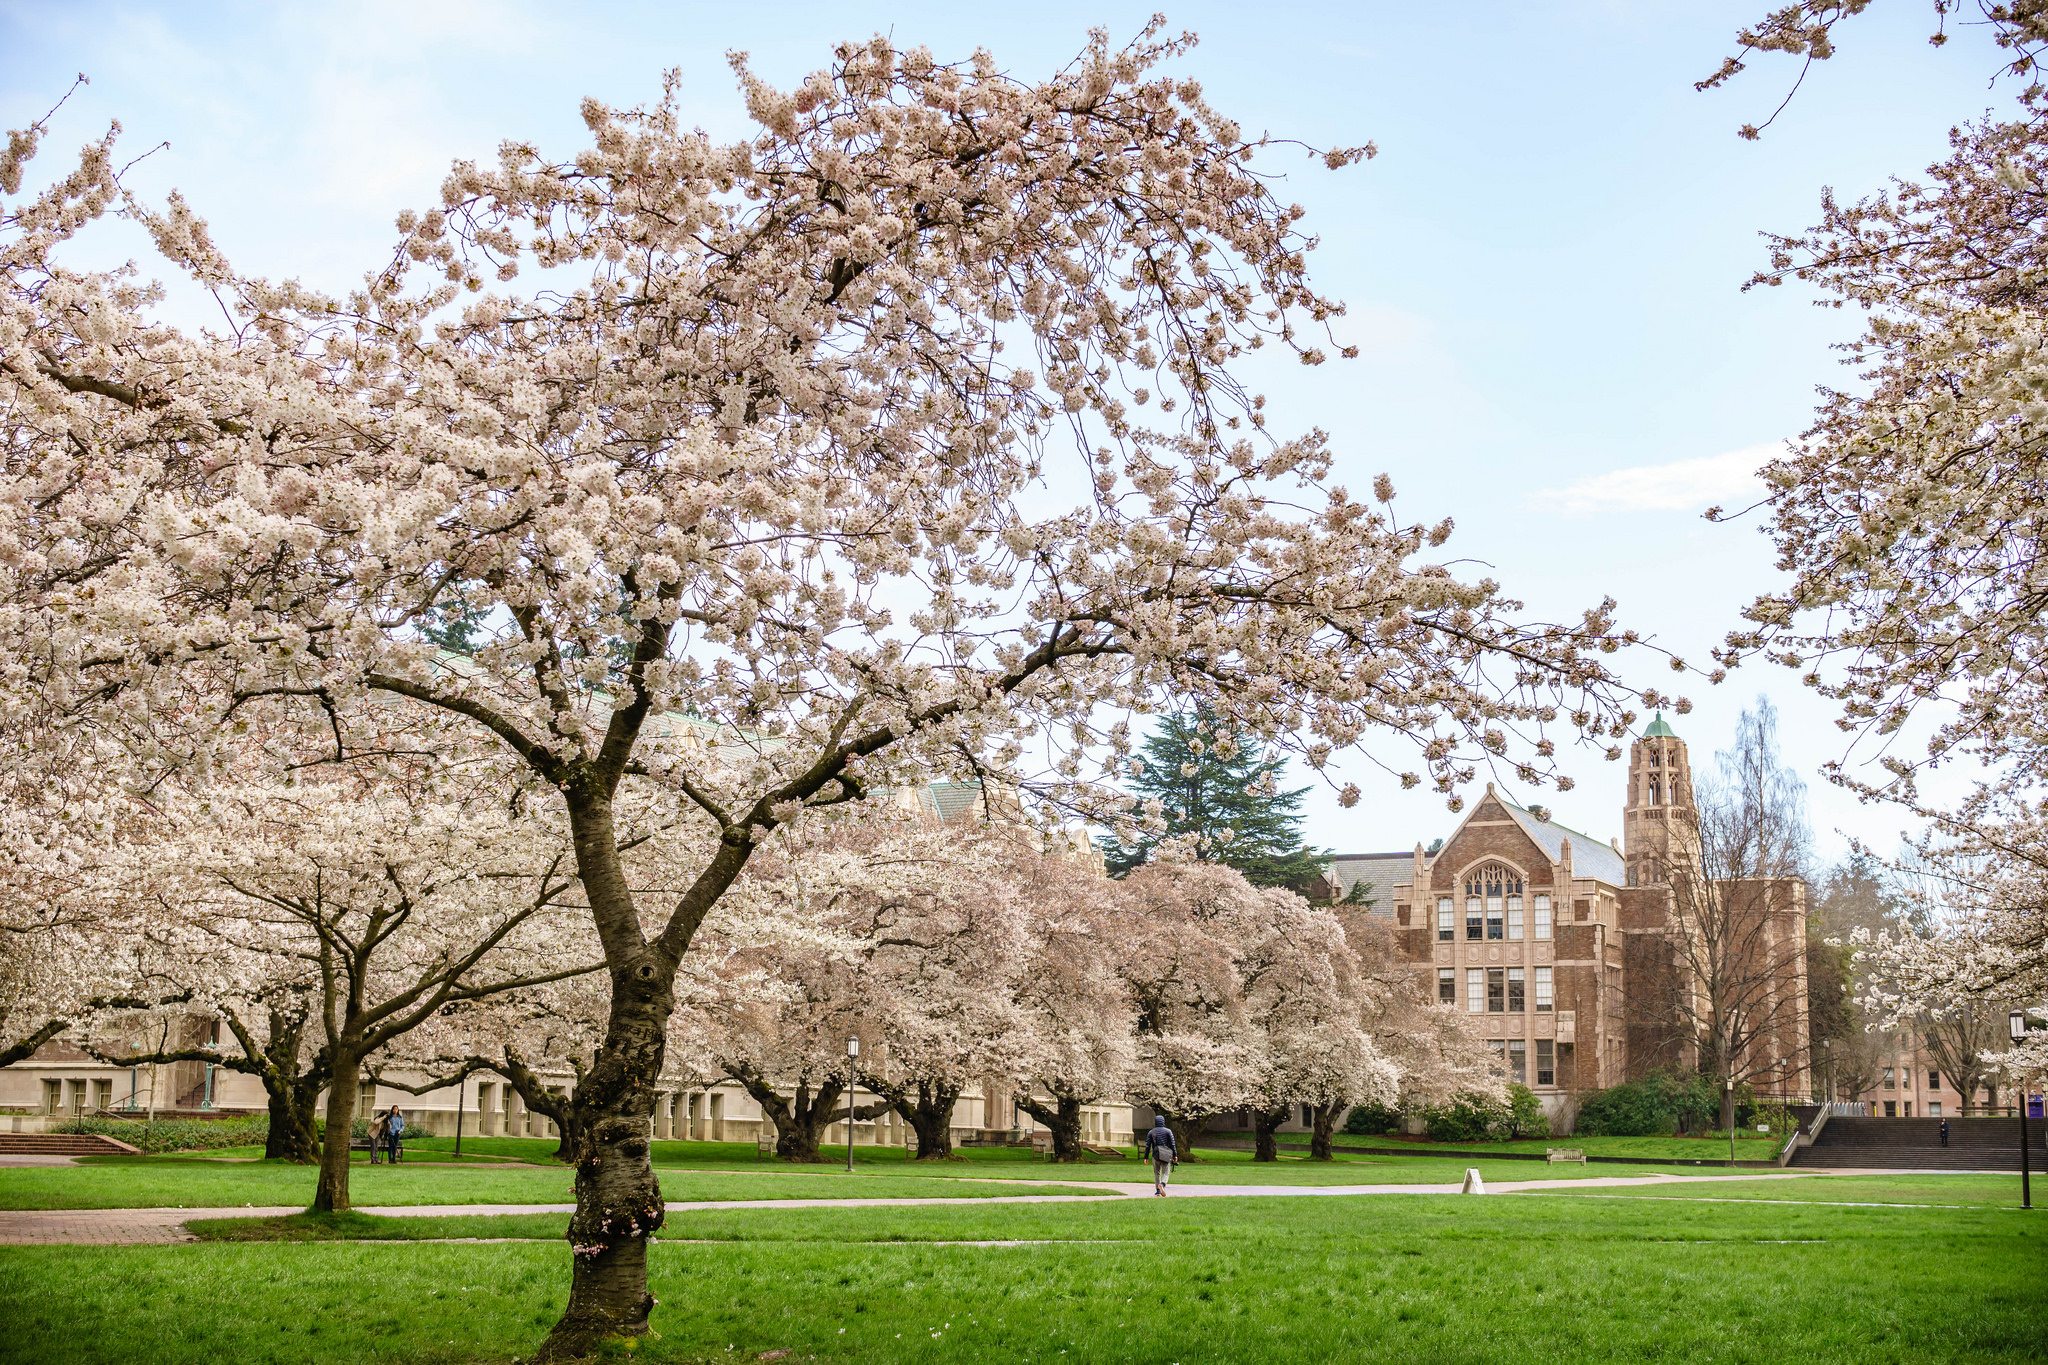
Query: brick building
x=1567, y=950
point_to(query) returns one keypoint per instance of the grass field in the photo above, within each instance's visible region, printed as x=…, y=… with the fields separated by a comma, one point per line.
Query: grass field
x=1748, y=1146
x=1438, y=1278
x=520, y=1171
x=147, y=1182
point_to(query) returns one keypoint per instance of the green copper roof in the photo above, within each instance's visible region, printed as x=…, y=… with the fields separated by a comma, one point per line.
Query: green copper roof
x=1659, y=730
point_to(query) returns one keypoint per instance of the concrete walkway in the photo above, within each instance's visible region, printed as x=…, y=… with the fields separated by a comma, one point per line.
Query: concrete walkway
x=161, y=1227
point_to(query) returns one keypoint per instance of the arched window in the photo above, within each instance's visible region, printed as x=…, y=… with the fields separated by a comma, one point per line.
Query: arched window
x=1488, y=890
x=1656, y=792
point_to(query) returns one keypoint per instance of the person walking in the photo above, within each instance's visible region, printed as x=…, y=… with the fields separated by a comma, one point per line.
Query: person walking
x=394, y=1133
x=377, y=1138
x=1159, y=1148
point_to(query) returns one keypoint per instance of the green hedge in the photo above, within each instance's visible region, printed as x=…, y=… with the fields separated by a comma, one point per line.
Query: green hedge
x=1470, y=1117
x=176, y=1135
x=1371, y=1119
x=1655, y=1106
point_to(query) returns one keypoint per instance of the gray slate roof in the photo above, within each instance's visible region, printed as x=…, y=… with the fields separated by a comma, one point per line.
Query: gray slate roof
x=1379, y=872
x=949, y=800
x=1592, y=857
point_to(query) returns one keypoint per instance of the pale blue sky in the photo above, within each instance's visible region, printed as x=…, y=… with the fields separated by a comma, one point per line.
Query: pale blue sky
x=1544, y=263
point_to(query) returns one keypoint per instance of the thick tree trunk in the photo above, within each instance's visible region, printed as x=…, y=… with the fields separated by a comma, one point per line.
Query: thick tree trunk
x=1184, y=1130
x=801, y=1120
x=330, y=1195
x=293, y=1135
x=1265, y=1133
x=565, y=1126
x=930, y=1116
x=1062, y=1118
x=618, y=1200
x=1323, y=1130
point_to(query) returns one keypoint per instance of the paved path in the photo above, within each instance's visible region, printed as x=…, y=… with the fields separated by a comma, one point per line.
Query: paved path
x=145, y=1227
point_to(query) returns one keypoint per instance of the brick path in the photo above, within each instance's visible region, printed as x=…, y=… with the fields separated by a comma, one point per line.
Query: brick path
x=144, y=1227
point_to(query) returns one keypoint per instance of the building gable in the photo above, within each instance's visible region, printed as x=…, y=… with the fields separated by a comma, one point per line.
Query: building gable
x=1490, y=831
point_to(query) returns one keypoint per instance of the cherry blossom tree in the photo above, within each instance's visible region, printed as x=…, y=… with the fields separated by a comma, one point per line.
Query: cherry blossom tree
x=942, y=946
x=1308, y=999
x=1909, y=519
x=1805, y=29
x=1197, y=1050
x=757, y=490
x=1077, y=1024
x=378, y=896
x=790, y=993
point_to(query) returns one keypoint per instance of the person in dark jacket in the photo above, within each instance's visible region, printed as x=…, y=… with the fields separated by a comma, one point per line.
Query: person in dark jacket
x=1159, y=1149
x=394, y=1134
x=1944, y=1132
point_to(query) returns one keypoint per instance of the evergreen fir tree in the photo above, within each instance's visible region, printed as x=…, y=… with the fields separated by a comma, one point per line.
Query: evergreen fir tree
x=1221, y=788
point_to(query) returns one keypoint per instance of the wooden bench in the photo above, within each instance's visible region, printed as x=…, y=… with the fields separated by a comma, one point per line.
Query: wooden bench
x=1553, y=1155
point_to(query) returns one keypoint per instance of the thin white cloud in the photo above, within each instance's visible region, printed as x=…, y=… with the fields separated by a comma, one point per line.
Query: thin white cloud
x=1728, y=479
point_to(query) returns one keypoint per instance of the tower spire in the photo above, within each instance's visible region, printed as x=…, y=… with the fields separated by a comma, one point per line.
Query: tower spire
x=1659, y=821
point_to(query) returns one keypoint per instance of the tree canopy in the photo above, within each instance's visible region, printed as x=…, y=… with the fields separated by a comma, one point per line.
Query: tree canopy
x=1218, y=793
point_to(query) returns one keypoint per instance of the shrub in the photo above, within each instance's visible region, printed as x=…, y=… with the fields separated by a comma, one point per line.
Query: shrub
x=1367, y=1119
x=1772, y=1113
x=1658, y=1105
x=1471, y=1117
x=176, y=1135
x=1526, y=1118
x=1645, y=1108
x=1695, y=1101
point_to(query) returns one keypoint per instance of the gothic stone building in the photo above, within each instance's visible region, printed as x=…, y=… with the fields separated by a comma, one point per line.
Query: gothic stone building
x=1565, y=949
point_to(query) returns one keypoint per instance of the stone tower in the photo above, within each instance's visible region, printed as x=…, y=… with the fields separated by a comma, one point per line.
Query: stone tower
x=1660, y=823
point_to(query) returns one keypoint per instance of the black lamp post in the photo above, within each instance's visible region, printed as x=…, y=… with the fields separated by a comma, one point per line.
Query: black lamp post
x=1728, y=1085
x=852, y=1094
x=2018, y=1020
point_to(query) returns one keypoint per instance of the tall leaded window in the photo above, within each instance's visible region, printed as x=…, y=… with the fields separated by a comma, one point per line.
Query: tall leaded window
x=1446, y=986
x=1518, y=1061
x=1546, y=1062
x=1514, y=919
x=1446, y=921
x=1515, y=991
x=1486, y=899
x=1496, y=990
x=1475, y=990
x=1543, y=990
x=1542, y=915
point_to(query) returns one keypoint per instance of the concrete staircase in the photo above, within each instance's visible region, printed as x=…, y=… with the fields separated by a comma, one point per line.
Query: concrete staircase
x=1974, y=1144
x=63, y=1144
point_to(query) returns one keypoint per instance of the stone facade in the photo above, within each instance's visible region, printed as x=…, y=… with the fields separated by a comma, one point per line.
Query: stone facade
x=1562, y=946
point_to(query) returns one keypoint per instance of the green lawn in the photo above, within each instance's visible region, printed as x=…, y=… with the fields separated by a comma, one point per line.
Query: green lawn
x=1437, y=1278
x=157, y=1182
x=1906, y=1187
x=1748, y=1146
x=691, y=1171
